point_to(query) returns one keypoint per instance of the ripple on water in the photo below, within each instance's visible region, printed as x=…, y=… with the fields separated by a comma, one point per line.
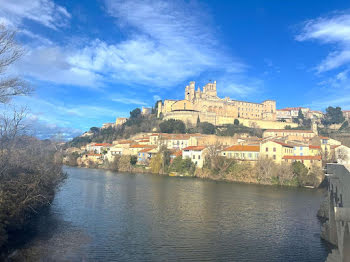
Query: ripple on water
x=104, y=216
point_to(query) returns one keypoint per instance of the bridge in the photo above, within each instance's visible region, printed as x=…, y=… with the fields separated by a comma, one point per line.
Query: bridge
x=336, y=229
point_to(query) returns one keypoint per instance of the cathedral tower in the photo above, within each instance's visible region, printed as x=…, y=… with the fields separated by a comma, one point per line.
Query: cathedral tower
x=209, y=90
x=190, y=91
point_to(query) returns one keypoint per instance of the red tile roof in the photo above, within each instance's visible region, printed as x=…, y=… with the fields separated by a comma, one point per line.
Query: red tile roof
x=177, y=153
x=314, y=147
x=282, y=144
x=141, y=146
x=302, y=157
x=145, y=150
x=243, y=148
x=194, y=148
x=324, y=137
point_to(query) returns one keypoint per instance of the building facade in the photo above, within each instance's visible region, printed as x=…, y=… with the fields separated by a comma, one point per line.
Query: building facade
x=206, y=105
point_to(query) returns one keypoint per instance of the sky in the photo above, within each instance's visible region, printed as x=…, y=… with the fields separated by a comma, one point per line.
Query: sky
x=92, y=61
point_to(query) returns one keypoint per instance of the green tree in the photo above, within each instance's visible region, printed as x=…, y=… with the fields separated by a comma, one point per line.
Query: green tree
x=183, y=166
x=300, y=115
x=94, y=130
x=206, y=128
x=198, y=121
x=300, y=170
x=133, y=160
x=172, y=126
x=333, y=115
x=136, y=113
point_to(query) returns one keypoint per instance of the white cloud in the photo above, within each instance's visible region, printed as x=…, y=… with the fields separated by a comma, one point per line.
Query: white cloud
x=67, y=115
x=44, y=12
x=156, y=98
x=330, y=30
x=127, y=101
x=168, y=44
x=51, y=63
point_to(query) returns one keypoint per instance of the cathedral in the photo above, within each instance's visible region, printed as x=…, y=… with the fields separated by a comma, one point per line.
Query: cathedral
x=206, y=105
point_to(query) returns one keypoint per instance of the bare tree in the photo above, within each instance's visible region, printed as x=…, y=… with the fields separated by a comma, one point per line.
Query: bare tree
x=10, y=52
x=342, y=155
x=265, y=169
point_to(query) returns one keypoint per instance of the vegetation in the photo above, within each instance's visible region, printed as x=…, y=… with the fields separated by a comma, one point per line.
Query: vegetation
x=172, y=126
x=334, y=115
x=135, y=124
x=231, y=130
x=202, y=128
x=182, y=166
x=264, y=171
x=29, y=176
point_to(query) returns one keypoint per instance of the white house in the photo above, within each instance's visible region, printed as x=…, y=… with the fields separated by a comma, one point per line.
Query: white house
x=196, y=154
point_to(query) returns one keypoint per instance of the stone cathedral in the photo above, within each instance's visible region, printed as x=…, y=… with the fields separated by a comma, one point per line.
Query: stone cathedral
x=206, y=105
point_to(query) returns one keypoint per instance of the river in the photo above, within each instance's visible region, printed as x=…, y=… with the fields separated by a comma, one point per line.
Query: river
x=105, y=216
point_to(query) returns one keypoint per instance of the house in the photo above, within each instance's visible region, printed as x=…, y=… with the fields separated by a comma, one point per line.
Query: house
x=275, y=150
x=196, y=154
x=135, y=149
x=308, y=161
x=346, y=114
x=314, y=115
x=242, y=152
x=283, y=115
x=145, y=155
x=117, y=150
x=120, y=121
x=107, y=125
x=290, y=134
x=301, y=149
x=146, y=110
x=315, y=150
x=294, y=111
x=99, y=148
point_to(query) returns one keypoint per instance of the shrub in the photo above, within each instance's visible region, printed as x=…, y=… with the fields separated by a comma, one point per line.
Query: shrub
x=300, y=171
x=28, y=182
x=183, y=166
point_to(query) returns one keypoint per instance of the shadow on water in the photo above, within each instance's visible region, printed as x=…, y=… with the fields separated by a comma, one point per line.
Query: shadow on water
x=46, y=238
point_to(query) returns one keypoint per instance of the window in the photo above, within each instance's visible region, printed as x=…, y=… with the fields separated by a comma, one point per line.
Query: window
x=274, y=157
x=274, y=149
x=199, y=157
x=194, y=157
x=267, y=149
x=301, y=148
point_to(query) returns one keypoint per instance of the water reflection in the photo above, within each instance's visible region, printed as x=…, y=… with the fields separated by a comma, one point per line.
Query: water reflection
x=104, y=216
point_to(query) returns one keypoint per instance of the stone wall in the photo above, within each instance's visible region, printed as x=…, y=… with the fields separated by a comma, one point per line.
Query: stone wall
x=190, y=119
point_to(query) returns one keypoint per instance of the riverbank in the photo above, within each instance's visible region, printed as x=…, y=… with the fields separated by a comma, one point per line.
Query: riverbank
x=241, y=173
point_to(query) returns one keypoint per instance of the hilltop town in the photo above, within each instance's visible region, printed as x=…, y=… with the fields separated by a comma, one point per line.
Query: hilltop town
x=206, y=136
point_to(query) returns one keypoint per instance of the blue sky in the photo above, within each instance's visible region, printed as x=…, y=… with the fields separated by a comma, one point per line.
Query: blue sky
x=92, y=61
